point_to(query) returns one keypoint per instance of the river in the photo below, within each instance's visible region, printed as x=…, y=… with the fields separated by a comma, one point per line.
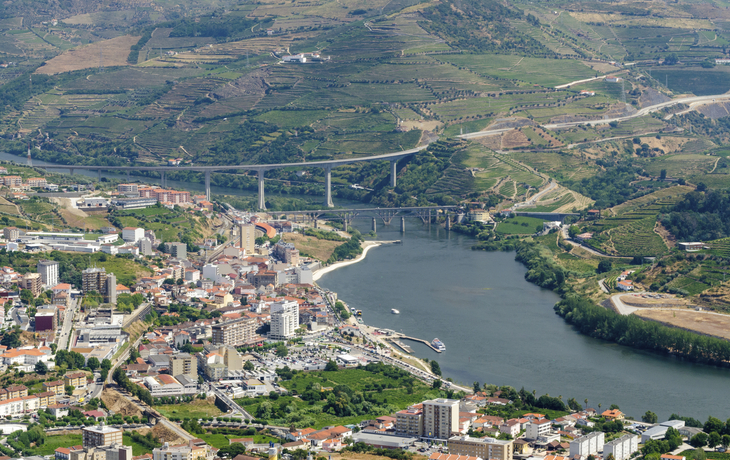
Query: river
x=500, y=329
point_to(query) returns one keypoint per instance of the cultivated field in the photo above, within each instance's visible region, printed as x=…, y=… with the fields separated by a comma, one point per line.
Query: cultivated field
x=108, y=53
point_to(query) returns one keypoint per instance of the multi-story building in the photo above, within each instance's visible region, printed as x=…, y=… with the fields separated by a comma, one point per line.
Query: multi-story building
x=32, y=282
x=189, y=452
x=440, y=418
x=111, y=288
x=210, y=271
x=409, y=422
x=112, y=452
x=76, y=379
x=127, y=188
x=236, y=332
x=145, y=247
x=46, y=398
x=11, y=233
x=248, y=238
x=589, y=444
x=13, y=181
x=177, y=250
x=621, y=448
x=56, y=387
x=37, y=182
x=45, y=321
x=287, y=252
x=101, y=435
x=132, y=234
x=490, y=448
x=537, y=428
x=17, y=391
x=94, y=279
x=285, y=320
x=184, y=363
x=48, y=269
x=264, y=278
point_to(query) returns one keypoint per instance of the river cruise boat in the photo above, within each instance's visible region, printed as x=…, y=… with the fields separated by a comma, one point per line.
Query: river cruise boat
x=439, y=345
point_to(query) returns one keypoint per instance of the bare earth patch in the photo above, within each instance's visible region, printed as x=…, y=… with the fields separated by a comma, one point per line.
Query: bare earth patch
x=707, y=323
x=320, y=249
x=512, y=139
x=118, y=403
x=114, y=53
x=431, y=125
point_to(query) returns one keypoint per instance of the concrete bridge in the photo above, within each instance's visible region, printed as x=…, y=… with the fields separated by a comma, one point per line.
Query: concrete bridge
x=327, y=165
x=425, y=213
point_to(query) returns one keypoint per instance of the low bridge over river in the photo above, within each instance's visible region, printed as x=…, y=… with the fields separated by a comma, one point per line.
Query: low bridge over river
x=425, y=213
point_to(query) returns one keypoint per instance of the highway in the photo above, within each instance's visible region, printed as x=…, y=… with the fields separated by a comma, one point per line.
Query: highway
x=693, y=100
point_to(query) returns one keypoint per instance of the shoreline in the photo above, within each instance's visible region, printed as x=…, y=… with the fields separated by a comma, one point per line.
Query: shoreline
x=367, y=245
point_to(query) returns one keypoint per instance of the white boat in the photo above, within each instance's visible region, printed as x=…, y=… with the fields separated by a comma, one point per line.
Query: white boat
x=439, y=345
x=394, y=311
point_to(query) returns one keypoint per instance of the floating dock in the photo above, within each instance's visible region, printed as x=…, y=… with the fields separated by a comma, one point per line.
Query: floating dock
x=422, y=341
x=402, y=346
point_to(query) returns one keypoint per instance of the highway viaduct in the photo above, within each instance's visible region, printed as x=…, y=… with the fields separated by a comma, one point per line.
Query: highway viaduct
x=327, y=165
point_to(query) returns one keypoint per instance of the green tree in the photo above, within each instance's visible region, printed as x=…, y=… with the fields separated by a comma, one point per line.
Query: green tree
x=699, y=440
x=106, y=364
x=41, y=368
x=698, y=454
x=663, y=174
x=69, y=389
x=713, y=424
x=714, y=440
x=11, y=339
x=436, y=384
x=248, y=366
x=649, y=417
x=435, y=368
x=27, y=296
x=331, y=366
x=604, y=266
x=281, y=350
x=725, y=441
x=93, y=363
x=671, y=59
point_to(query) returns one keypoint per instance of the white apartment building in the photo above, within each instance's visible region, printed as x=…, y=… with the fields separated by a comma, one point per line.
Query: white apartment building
x=190, y=452
x=132, y=234
x=49, y=272
x=589, y=444
x=248, y=238
x=621, y=448
x=284, y=320
x=535, y=429
x=210, y=271
x=440, y=418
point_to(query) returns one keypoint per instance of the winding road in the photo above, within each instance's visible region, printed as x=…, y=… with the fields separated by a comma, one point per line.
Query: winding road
x=693, y=101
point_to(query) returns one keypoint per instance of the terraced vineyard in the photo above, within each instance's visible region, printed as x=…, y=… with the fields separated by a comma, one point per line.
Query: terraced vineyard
x=635, y=239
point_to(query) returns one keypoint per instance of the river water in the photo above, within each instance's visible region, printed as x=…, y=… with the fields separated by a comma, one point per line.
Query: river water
x=500, y=329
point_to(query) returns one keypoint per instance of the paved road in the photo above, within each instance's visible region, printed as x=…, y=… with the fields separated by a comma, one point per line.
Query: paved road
x=639, y=113
x=622, y=307
x=230, y=402
x=65, y=332
x=535, y=197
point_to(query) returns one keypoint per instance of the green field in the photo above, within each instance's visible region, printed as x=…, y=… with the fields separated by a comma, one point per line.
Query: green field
x=54, y=442
x=194, y=410
x=383, y=394
x=221, y=440
x=519, y=225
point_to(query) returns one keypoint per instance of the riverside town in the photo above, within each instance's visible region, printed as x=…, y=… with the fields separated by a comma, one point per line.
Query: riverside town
x=347, y=230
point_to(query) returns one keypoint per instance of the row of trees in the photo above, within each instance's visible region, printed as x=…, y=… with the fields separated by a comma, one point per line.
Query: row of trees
x=123, y=381
x=599, y=322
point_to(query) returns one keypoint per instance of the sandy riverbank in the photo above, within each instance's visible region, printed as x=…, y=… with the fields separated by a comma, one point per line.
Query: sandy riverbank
x=366, y=246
